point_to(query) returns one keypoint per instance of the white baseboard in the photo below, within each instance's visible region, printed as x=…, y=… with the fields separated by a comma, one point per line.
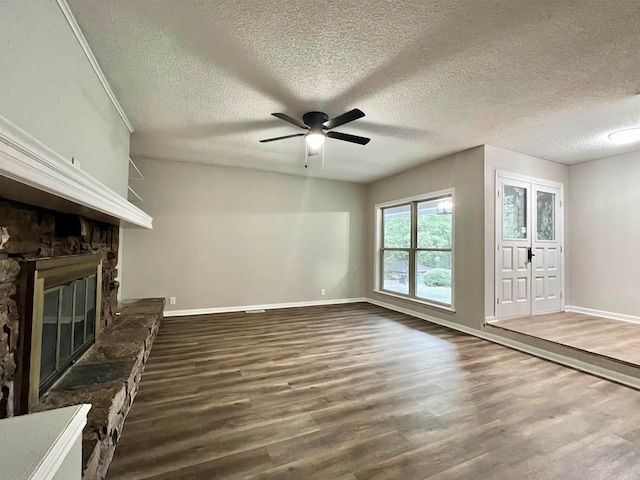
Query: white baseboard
x=628, y=380
x=600, y=313
x=490, y=320
x=270, y=306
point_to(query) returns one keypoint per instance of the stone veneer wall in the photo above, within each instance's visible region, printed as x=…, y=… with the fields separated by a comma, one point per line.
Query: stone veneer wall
x=29, y=232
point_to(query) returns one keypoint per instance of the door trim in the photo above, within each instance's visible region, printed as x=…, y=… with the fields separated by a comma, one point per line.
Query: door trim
x=506, y=175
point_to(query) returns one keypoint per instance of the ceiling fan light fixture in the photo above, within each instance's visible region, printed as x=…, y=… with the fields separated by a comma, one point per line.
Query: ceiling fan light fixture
x=628, y=135
x=314, y=140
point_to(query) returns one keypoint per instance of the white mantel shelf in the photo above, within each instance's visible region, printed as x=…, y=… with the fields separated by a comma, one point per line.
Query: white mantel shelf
x=32, y=173
x=43, y=446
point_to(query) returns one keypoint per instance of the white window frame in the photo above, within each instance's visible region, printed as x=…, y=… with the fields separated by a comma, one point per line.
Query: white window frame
x=377, y=262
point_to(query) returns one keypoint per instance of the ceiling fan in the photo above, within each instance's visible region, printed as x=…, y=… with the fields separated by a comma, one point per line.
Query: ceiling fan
x=316, y=123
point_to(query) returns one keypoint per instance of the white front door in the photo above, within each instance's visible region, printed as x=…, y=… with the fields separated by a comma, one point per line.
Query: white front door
x=546, y=264
x=528, y=247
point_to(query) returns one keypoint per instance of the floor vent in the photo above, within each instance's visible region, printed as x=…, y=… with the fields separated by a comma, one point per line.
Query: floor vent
x=259, y=310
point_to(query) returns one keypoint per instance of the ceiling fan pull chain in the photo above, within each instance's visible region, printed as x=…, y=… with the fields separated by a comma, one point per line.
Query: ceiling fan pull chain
x=306, y=155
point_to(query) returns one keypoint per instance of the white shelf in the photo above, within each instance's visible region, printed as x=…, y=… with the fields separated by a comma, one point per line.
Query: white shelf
x=132, y=196
x=134, y=171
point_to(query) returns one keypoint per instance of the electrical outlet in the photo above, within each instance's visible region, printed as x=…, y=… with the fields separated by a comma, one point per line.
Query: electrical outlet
x=172, y=300
x=323, y=292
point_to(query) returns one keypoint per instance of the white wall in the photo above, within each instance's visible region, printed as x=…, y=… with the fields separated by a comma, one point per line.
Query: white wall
x=501, y=159
x=49, y=89
x=604, y=225
x=464, y=172
x=226, y=237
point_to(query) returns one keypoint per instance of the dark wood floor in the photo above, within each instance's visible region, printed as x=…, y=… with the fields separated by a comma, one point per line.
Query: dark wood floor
x=359, y=392
x=610, y=338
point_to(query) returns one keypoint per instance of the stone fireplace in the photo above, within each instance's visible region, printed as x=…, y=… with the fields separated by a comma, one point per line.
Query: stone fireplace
x=66, y=248
x=55, y=217
x=57, y=304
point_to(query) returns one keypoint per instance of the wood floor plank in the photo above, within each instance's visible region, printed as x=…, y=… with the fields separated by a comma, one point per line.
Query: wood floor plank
x=611, y=338
x=355, y=392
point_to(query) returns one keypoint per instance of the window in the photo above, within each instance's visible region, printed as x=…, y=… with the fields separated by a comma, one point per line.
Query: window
x=416, y=254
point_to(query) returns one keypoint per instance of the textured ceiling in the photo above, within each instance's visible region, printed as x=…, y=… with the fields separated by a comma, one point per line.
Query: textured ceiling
x=198, y=79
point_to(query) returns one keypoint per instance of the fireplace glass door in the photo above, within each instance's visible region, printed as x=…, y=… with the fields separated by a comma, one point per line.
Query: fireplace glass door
x=68, y=327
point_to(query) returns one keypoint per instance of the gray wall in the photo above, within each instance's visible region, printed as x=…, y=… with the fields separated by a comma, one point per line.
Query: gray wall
x=227, y=237
x=604, y=225
x=49, y=89
x=502, y=159
x=464, y=172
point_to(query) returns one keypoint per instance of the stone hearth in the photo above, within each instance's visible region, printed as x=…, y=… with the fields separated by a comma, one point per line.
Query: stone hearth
x=108, y=377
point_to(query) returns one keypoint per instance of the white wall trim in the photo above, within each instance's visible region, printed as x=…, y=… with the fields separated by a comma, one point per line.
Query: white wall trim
x=600, y=313
x=92, y=60
x=28, y=161
x=490, y=320
x=538, y=352
x=416, y=198
x=37, y=445
x=58, y=452
x=269, y=306
x=527, y=178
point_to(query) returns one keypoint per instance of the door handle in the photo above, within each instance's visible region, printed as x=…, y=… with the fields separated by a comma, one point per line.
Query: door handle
x=530, y=254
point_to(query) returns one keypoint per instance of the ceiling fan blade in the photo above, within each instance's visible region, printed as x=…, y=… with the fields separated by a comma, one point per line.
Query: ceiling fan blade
x=291, y=120
x=350, y=116
x=282, y=138
x=349, y=138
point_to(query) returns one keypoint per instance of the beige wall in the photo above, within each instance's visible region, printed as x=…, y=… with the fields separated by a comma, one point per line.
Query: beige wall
x=49, y=89
x=604, y=225
x=501, y=159
x=226, y=237
x=464, y=172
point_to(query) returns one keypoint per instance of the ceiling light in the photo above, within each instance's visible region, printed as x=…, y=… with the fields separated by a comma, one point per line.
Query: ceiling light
x=314, y=140
x=628, y=135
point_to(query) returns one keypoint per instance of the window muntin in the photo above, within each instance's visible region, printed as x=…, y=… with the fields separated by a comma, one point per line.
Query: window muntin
x=416, y=255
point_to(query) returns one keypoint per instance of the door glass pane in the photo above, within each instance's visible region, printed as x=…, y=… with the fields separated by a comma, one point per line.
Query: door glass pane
x=78, y=322
x=546, y=203
x=65, y=323
x=49, y=335
x=397, y=227
x=514, y=212
x=91, y=306
x=433, y=276
x=434, y=223
x=396, y=272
